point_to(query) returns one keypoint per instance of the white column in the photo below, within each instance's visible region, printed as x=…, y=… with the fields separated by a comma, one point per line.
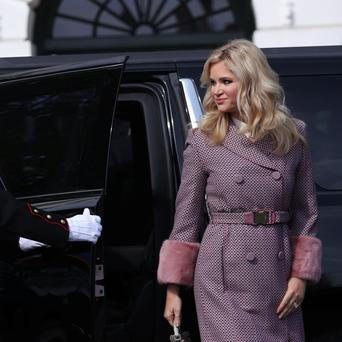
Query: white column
x=14, y=17
x=297, y=22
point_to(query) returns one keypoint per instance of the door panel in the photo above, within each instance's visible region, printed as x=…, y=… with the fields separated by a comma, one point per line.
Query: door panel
x=315, y=99
x=138, y=211
x=55, y=126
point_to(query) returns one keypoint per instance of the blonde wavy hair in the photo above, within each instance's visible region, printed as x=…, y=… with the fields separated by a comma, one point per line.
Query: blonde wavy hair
x=260, y=98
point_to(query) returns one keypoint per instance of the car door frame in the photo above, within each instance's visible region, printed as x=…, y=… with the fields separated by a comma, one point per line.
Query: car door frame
x=74, y=69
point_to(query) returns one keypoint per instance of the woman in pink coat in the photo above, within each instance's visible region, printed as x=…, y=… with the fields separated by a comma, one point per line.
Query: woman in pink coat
x=251, y=162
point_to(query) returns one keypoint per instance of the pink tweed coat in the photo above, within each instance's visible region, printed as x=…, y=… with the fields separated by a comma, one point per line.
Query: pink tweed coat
x=240, y=271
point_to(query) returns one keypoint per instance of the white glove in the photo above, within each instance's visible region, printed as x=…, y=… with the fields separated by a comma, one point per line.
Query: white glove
x=27, y=244
x=84, y=227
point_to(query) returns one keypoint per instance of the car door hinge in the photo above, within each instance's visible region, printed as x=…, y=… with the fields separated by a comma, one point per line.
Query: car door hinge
x=99, y=291
x=99, y=272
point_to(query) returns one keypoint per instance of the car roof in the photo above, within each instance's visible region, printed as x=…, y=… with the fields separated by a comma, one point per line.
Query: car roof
x=165, y=60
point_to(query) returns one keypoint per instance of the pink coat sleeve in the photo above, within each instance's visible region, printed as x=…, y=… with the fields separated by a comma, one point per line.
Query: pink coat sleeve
x=306, y=262
x=178, y=254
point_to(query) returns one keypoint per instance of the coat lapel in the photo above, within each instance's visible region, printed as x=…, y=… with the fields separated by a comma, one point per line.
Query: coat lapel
x=259, y=152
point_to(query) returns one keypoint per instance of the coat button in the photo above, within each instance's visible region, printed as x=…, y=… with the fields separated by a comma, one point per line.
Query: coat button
x=276, y=175
x=238, y=179
x=250, y=256
x=36, y=211
x=49, y=217
x=62, y=221
x=281, y=255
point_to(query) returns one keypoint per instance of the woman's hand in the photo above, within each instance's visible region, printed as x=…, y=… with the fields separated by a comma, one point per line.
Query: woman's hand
x=173, y=305
x=293, y=297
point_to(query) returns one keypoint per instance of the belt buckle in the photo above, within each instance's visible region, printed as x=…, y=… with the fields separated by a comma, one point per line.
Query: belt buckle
x=263, y=217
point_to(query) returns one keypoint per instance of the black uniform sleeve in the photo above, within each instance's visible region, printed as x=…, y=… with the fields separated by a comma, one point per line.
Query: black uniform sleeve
x=24, y=220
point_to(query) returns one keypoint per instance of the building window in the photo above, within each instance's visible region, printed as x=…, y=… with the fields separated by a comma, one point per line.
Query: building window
x=118, y=25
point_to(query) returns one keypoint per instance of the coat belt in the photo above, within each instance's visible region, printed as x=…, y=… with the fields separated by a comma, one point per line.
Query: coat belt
x=254, y=217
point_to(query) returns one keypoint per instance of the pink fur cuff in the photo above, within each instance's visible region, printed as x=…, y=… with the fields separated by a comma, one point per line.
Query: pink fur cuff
x=307, y=255
x=177, y=262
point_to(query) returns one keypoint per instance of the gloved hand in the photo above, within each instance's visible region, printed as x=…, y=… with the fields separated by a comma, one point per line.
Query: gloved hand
x=84, y=227
x=27, y=245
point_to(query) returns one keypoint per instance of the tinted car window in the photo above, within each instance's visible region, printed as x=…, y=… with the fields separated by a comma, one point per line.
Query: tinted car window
x=316, y=100
x=54, y=132
x=129, y=187
x=129, y=206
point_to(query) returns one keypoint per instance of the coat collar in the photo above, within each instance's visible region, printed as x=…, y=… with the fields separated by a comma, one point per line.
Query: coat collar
x=259, y=152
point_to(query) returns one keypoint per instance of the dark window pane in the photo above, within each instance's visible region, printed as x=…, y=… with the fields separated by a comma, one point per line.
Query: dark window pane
x=317, y=101
x=129, y=222
x=64, y=26
x=129, y=185
x=141, y=17
x=54, y=132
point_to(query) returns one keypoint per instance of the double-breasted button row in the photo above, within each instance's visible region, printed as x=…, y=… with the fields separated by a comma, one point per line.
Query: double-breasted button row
x=250, y=256
x=276, y=175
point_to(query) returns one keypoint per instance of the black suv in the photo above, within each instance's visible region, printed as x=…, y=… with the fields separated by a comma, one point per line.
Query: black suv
x=108, y=133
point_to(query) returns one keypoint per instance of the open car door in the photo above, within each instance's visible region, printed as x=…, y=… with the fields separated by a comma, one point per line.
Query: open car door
x=55, y=128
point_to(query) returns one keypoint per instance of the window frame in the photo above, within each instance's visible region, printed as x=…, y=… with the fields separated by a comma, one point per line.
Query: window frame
x=78, y=68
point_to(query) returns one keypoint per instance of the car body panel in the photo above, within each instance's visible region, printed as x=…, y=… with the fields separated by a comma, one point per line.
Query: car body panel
x=153, y=113
x=56, y=125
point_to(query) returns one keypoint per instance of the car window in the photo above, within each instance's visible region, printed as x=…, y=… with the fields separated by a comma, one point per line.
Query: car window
x=129, y=220
x=317, y=100
x=129, y=186
x=54, y=132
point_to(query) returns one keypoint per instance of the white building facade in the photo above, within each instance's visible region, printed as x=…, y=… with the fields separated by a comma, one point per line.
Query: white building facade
x=297, y=22
x=278, y=23
x=15, y=28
